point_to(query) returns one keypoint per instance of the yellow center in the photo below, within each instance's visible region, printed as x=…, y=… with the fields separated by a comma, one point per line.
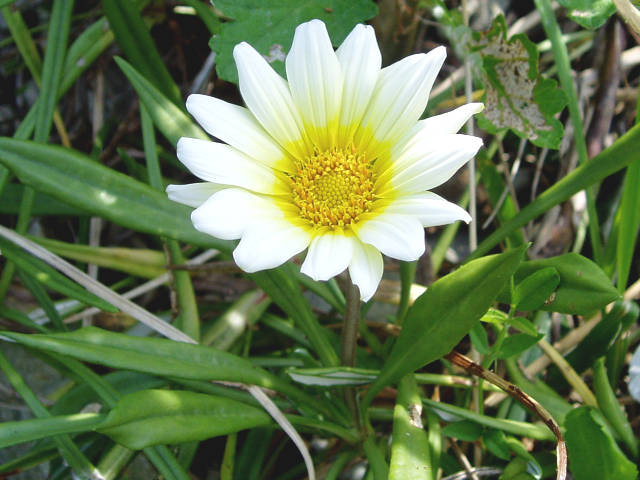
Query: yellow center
x=333, y=188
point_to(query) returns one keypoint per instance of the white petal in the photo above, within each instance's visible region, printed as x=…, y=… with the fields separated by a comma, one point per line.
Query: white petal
x=366, y=269
x=268, y=97
x=228, y=213
x=397, y=236
x=430, y=163
x=270, y=243
x=400, y=97
x=193, y=194
x=360, y=59
x=328, y=255
x=431, y=209
x=236, y=126
x=220, y=163
x=315, y=80
x=445, y=124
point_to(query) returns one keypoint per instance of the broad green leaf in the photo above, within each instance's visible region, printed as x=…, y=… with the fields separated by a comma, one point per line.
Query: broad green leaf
x=593, y=453
x=71, y=176
x=153, y=417
x=42, y=204
x=172, y=122
x=50, y=277
x=410, y=452
x=134, y=39
x=141, y=262
x=268, y=26
x=583, y=287
x=445, y=313
x=157, y=356
x=516, y=96
x=589, y=14
x=536, y=289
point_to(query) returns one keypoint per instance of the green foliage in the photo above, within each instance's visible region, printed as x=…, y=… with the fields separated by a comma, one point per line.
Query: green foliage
x=593, y=454
x=445, y=313
x=568, y=283
x=589, y=14
x=273, y=328
x=268, y=26
x=152, y=417
x=516, y=96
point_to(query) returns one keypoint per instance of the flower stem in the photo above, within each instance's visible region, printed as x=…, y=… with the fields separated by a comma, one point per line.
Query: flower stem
x=349, y=343
x=351, y=324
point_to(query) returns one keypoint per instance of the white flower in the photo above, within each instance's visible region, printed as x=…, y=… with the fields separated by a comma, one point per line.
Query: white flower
x=334, y=159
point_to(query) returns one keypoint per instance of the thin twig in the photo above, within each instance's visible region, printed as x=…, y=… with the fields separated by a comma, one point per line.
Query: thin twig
x=526, y=400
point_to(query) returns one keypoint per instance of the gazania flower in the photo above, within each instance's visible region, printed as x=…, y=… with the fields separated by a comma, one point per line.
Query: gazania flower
x=335, y=159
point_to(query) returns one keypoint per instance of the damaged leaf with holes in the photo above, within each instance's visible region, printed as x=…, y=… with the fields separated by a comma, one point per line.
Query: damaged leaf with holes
x=516, y=96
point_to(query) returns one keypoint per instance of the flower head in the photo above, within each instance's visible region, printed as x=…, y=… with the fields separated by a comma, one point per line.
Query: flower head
x=335, y=159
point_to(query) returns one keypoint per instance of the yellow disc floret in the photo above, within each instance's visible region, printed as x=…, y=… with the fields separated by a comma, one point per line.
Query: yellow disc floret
x=333, y=188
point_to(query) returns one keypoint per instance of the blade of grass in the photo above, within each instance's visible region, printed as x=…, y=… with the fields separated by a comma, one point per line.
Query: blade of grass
x=188, y=320
x=617, y=156
x=134, y=39
x=71, y=453
x=561, y=57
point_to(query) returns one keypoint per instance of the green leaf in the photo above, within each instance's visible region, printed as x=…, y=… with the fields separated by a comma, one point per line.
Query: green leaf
x=622, y=315
x=536, y=289
x=332, y=376
x=516, y=96
x=50, y=277
x=516, y=344
x=410, y=452
x=12, y=433
x=268, y=26
x=496, y=443
x=444, y=314
x=479, y=338
x=134, y=39
x=157, y=356
x=611, y=408
x=593, y=454
x=57, y=37
x=141, y=262
x=583, y=287
x=628, y=223
x=589, y=14
x=153, y=417
x=466, y=430
x=172, y=122
x=74, y=178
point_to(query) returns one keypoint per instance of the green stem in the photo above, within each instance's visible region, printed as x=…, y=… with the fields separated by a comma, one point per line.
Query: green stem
x=349, y=344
